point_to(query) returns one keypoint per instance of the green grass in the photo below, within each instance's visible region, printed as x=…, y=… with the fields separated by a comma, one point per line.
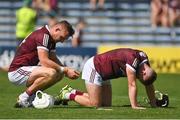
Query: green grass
x=168, y=83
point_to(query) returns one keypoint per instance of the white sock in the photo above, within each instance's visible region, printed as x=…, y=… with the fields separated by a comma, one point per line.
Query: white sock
x=73, y=91
x=67, y=95
x=23, y=96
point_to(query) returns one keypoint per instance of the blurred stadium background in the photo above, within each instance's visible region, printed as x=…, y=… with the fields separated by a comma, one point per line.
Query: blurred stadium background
x=122, y=22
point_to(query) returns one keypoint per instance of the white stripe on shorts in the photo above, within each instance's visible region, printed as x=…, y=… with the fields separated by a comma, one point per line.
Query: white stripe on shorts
x=92, y=76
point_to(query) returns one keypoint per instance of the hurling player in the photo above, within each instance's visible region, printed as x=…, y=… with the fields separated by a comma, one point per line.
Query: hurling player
x=36, y=65
x=100, y=69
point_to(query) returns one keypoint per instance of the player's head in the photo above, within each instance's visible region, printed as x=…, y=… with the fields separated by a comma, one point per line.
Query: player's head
x=146, y=74
x=61, y=31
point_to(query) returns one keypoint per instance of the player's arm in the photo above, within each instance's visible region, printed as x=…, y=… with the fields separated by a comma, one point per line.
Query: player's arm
x=132, y=88
x=45, y=61
x=54, y=57
x=151, y=94
x=68, y=70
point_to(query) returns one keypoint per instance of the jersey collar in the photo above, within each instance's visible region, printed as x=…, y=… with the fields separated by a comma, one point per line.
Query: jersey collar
x=47, y=27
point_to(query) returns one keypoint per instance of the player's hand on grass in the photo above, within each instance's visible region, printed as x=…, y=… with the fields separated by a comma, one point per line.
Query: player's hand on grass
x=71, y=73
x=139, y=108
x=153, y=104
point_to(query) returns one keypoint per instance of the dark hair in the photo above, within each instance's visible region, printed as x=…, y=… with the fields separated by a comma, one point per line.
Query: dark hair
x=68, y=26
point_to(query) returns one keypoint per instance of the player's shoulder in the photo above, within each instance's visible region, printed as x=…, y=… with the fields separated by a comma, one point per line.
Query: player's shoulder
x=125, y=51
x=42, y=29
x=40, y=32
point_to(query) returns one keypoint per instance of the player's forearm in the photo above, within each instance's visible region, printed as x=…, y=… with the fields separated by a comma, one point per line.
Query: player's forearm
x=69, y=72
x=51, y=64
x=54, y=58
x=132, y=87
x=133, y=95
x=151, y=95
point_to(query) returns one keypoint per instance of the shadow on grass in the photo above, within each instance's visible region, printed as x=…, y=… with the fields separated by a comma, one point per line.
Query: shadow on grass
x=113, y=106
x=71, y=107
x=129, y=106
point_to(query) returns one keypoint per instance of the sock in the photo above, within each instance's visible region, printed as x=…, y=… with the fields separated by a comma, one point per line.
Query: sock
x=73, y=91
x=79, y=92
x=70, y=96
x=76, y=92
x=23, y=96
x=67, y=95
x=29, y=92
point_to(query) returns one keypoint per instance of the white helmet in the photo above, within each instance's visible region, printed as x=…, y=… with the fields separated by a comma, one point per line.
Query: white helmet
x=42, y=100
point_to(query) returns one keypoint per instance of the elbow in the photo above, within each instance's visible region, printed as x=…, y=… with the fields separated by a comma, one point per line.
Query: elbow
x=131, y=85
x=43, y=63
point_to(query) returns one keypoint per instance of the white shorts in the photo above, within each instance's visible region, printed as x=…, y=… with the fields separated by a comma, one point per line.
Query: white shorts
x=91, y=76
x=21, y=75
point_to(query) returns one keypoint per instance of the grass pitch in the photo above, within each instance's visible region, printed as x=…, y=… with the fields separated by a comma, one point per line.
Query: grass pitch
x=167, y=83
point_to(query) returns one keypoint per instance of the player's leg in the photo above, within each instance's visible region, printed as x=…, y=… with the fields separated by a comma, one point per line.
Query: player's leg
x=35, y=78
x=96, y=96
x=99, y=93
x=91, y=99
x=68, y=93
x=42, y=78
x=106, y=94
x=93, y=81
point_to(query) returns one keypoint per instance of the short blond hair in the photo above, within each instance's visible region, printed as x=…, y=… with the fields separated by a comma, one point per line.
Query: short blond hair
x=152, y=75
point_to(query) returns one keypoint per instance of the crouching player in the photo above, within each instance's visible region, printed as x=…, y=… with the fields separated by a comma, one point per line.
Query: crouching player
x=36, y=65
x=98, y=71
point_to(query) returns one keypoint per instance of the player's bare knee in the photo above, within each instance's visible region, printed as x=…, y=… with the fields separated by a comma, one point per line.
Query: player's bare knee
x=95, y=104
x=52, y=73
x=56, y=76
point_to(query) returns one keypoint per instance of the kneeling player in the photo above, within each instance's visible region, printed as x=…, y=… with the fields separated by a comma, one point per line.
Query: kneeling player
x=98, y=71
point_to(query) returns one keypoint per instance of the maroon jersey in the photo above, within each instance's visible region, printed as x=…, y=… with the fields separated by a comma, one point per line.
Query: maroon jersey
x=113, y=64
x=26, y=54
